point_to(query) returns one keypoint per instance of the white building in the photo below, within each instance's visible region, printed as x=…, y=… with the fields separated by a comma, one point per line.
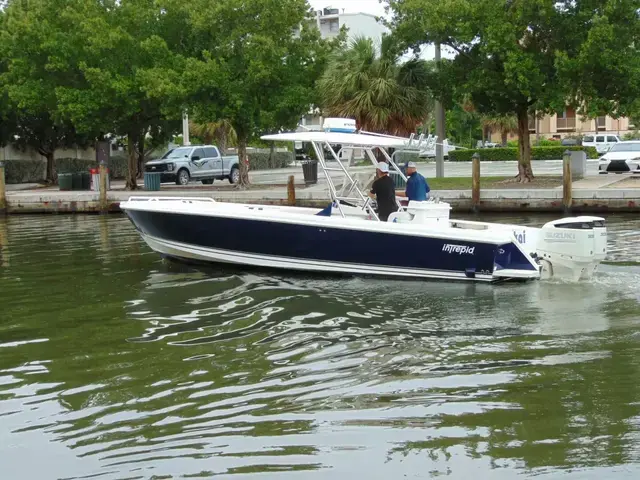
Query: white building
x=330, y=21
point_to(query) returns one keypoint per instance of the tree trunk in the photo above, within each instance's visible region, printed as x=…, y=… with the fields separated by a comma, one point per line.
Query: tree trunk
x=222, y=143
x=51, y=176
x=140, y=152
x=505, y=137
x=244, y=162
x=272, y=152
x=525, y=174
x=132, y=163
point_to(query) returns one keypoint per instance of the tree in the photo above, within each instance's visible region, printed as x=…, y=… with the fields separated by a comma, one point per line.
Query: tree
x=519, y=56
x=117, y=51
x=505, y=124
x=254, y=64
x=27, y=85
x=374, y=87
x=221, y=132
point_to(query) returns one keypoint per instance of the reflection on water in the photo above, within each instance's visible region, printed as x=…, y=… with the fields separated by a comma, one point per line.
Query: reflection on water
x=116, y=364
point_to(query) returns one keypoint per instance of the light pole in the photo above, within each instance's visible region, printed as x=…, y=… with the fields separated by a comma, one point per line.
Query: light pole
x=439, y=127
x=185, y=129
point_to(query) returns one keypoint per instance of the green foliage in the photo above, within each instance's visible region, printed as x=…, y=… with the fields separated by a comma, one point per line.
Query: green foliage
x=33, y=171
x=520, y=57
x=546, y=142
x=511, y=154
x=249, y=68
x=28, y=80
x=635, y=135
x=260, y=161
x=462, y=126
x=382, y=93
x=24, y=171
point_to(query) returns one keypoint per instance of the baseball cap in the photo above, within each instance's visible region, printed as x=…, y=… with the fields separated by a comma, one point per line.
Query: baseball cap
x=383, y=167
x=411, y=165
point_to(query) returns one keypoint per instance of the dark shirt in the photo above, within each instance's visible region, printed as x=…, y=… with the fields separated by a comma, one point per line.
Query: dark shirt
x=417, y=188
x=385, y=192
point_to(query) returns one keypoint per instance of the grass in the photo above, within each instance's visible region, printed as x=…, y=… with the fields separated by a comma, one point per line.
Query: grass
x=464, y=183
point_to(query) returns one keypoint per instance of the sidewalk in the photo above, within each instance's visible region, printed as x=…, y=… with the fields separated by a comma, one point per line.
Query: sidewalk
x=589, y=195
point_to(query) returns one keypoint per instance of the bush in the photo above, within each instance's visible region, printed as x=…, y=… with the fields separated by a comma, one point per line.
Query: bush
x=547, y=142
x=511, y=154
x=118, y=166
x=72, y=165
x=34, y=171
x=24, y=171
x=260, y=161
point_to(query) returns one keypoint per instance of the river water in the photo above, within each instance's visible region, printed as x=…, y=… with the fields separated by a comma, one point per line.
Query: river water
x=116, y=364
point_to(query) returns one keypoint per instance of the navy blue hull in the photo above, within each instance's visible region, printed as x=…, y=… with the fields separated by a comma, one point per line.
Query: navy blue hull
x=323, y=244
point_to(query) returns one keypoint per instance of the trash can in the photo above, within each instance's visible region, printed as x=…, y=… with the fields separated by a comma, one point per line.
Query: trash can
x=152, y=181
x=86, y=181
x=95, y=179
x=65, y=181
x=310, y=171
x=76, y=181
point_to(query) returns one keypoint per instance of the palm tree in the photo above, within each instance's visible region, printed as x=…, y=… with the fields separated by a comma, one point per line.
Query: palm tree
x=505, y=124
x=221, y=132
x=382, y=94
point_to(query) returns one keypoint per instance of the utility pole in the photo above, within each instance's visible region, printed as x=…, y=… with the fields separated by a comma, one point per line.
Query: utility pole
x=439, y=127
x=185, y=129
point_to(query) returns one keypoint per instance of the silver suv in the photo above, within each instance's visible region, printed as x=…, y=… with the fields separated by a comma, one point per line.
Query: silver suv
x=195, y=162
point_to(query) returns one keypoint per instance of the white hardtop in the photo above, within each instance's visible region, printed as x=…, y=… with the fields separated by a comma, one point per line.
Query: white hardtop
x=340, y=138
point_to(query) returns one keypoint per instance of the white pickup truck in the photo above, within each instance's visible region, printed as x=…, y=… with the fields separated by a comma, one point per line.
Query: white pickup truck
x=195, y=162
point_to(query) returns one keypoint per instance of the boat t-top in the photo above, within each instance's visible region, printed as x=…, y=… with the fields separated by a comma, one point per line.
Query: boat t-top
x=420, y=240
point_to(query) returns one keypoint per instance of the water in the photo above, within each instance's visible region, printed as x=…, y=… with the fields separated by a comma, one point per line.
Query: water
x=115, y=364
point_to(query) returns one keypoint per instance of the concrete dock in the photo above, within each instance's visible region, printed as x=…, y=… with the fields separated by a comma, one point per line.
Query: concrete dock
x=594, y=193
x=601, y=199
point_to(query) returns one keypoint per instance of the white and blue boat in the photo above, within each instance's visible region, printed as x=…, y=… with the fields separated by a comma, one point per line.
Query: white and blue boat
x=418, y=241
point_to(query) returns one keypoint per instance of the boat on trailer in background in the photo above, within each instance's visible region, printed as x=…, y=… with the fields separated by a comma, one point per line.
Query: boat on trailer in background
x=347, y=236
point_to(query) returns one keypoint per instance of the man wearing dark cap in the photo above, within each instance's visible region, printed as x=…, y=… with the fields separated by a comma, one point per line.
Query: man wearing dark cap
x=384, y=191
x=417, y=187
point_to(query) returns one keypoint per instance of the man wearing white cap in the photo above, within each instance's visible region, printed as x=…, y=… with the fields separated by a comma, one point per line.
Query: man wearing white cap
x=417, y=187
x=384, y=191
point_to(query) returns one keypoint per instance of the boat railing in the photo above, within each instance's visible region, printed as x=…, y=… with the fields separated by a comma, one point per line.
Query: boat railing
x=173, y=199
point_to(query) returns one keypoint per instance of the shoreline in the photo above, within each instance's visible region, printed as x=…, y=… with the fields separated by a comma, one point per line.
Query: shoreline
x=600, y=200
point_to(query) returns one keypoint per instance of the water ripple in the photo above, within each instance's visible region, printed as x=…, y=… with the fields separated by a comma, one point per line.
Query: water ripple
x=117, y=364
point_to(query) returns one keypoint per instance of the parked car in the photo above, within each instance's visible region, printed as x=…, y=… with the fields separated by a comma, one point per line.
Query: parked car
x=569, y=142
x=621, y=157
x=195, y=162
x=602, y=142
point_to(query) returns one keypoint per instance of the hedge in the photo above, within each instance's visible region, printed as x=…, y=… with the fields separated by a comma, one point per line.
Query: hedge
x=508, y=153
x=260, y=161
x=34, y=171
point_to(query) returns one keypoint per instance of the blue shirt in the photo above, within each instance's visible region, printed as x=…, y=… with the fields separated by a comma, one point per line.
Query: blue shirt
x=417, y=188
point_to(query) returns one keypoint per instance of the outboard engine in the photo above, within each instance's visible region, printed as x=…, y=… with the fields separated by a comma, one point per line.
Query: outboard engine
x=568, y=248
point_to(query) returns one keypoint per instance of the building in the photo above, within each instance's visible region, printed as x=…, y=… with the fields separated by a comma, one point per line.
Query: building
x=330, y=21
x=569, y=124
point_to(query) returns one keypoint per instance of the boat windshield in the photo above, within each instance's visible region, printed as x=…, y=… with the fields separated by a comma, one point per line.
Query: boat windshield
x=177, y=153
x=626, y=147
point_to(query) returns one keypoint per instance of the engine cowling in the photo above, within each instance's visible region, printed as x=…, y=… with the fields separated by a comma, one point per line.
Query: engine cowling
x=572, y=247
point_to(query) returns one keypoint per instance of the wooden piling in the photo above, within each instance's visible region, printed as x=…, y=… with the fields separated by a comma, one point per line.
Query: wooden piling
x=3, y=191
x=104, y=206
x=475, y=181
x=567, y=199
x=103, y=150
x=291, y=191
